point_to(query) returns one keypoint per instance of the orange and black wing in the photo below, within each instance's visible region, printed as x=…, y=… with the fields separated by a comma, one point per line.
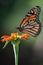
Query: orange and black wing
x=32, y=15
x=31, y=23
x=32, y=28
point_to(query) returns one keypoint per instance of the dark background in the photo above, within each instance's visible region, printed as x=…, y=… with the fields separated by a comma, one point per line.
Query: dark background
x=11, y=15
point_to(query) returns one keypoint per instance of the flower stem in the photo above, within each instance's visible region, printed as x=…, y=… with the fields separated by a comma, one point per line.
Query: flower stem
x=16, y=50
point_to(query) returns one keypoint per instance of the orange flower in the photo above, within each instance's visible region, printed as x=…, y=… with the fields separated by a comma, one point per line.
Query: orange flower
x=14, y=36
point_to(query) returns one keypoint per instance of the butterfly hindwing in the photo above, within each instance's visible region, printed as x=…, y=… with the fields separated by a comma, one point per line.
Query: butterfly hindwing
x=33, y=29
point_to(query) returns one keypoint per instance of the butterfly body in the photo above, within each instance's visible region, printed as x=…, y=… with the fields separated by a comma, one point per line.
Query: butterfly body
x=31, y=23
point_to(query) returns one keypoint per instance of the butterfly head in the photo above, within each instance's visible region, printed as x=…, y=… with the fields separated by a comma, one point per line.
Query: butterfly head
x=20, y=29
x=36, y=10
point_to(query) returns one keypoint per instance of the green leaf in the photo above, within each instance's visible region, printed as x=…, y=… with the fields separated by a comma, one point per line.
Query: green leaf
x=5, y=44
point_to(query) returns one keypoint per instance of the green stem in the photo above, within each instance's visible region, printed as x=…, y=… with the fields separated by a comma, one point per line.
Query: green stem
x=16, y=50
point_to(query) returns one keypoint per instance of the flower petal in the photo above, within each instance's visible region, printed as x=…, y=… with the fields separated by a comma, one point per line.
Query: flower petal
x=24, y=36
x=4, y=36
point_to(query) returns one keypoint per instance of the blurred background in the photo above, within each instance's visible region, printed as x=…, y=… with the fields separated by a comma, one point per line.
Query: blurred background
x=11, y=14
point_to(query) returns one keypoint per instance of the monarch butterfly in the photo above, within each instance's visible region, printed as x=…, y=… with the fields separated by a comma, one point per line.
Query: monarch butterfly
x=31, y=23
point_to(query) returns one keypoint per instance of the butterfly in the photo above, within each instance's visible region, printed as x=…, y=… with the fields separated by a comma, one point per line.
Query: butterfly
x=31, y=23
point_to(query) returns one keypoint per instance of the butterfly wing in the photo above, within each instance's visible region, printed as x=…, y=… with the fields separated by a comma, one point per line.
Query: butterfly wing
x=32, y=28
x=32, y=15
x=30, y=23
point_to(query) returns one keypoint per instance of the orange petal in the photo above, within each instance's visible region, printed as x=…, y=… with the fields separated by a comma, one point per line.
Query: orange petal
x=24, y=36
x=5, y=36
